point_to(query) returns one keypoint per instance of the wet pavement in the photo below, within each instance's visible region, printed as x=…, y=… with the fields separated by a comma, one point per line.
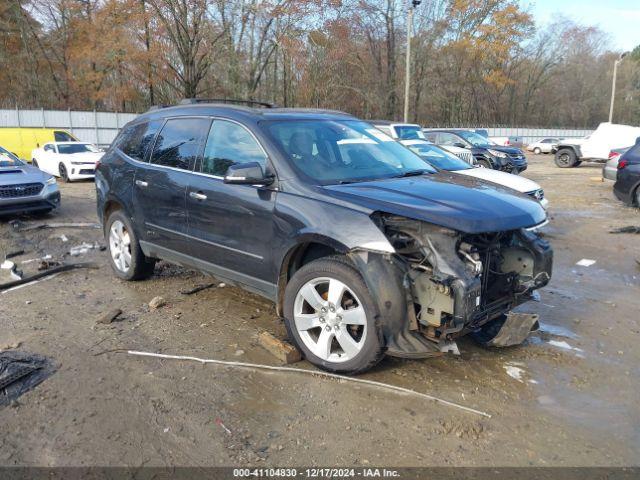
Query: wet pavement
x=566, y=397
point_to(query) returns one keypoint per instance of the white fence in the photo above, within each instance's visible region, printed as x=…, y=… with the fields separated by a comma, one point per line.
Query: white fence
x=102, y=127
x=531, y=134
x=95, y=127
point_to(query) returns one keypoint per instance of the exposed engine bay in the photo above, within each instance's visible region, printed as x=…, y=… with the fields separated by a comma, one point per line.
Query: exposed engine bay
x=457, y=282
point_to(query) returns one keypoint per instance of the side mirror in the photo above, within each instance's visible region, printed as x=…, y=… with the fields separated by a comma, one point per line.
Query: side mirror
x=247, y=174
x=459, y=145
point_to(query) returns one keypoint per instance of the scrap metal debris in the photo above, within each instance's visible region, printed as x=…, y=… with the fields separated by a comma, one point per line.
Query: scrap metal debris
x=83, y=248
x=53, y=271
x=318, y=373
x=21, y=227
x=197, y=288
x=629, y=229
x=20, y=372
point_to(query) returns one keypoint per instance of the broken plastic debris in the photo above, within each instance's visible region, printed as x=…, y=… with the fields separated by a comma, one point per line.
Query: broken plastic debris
x=20, y=372
x=564, y=345
x=82, y=249
x=64, y=238
x=514, y=371
x=585, y=262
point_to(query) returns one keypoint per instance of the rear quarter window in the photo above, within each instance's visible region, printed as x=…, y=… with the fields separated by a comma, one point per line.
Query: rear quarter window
x=135, y=140
x=59, y=136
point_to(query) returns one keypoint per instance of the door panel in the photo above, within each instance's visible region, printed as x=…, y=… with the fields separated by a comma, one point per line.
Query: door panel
x=161, y=185
x=231, y=225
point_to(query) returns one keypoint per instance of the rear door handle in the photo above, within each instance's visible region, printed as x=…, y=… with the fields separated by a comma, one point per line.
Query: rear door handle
x=141, y=183
x=198, y=195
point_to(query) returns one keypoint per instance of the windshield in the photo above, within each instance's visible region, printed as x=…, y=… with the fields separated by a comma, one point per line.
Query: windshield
x=343, y=151
x=8, y=159
x=438, y=157
x=475, y=139
x=409, y=132
x=66, y=149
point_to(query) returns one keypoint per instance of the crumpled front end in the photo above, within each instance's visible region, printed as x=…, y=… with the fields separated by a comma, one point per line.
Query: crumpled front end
x=453, y=283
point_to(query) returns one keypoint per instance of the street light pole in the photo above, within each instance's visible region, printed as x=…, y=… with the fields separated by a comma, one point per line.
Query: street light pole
x=613, y=85
x=407, y=72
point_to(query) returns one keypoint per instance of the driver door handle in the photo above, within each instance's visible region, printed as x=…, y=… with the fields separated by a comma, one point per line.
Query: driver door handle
x=198, y=195
x=141, y=183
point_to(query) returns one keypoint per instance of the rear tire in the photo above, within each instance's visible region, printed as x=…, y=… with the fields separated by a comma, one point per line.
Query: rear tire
x=537, y=151
x=332, y=318
x=566, y=158
x=125, y=255
x=635, y=198
x=64, y=175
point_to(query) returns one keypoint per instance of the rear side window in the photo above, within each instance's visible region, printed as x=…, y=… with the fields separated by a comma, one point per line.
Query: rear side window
x=179, y=142
x=228, y=144
x=63, y=137
x=135, y=140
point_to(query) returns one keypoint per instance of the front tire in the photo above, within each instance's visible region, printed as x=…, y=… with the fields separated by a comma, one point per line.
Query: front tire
x=484, y=163
x=34, y=163
x=331, y=316
x=125, y=255
x=537, y=151
x=566, y=158
x=64, y=175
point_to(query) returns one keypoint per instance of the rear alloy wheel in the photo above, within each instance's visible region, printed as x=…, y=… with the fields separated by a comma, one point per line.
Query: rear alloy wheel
x=566, y=158
x=127, y=259
x=330, y=315
x=484, y=163
x=63, y=173
x=537, y=151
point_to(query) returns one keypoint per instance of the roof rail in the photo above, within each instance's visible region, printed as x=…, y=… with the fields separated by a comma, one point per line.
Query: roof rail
x=193, y=101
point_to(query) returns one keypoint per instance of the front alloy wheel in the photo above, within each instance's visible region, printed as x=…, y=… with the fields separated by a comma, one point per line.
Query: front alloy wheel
x=332, y=324
x=120, y=246
x=331, y=315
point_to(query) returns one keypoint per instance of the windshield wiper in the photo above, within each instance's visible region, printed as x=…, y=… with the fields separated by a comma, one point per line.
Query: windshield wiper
x=411, y=173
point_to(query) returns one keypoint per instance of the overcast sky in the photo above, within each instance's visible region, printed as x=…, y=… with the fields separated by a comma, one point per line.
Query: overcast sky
x=619, y=18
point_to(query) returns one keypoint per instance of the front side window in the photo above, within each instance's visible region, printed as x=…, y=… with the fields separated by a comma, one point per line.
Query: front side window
x=228, y=144
x=179, y=142
x=342, y=151
x=8, y=159
x=475, y=139
x=135, y=140
x=63, y=137
x=445, y=138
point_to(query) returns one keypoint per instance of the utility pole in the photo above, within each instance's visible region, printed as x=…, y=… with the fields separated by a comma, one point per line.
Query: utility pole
x=613, y=86
x=407, y=73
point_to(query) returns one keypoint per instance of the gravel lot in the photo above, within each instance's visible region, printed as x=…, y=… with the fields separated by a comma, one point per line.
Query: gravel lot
x=575, y=402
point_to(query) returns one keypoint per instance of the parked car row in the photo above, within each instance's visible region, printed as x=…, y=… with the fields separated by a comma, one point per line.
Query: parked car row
x=32, y=188
x=366, y=249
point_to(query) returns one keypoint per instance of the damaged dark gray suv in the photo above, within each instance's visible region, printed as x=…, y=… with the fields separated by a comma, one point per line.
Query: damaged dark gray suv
x=363, y=247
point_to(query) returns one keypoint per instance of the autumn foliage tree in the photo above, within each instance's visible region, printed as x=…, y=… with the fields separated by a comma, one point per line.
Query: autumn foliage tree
x=473, y=61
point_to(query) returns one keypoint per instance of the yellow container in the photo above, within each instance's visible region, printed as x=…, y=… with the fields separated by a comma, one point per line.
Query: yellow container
x=22, y=141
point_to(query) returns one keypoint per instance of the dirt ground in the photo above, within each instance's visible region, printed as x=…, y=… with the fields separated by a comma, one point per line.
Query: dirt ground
x=568, y=397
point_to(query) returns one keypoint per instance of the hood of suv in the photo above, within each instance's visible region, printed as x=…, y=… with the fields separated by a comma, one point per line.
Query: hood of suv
x=511, y=151
x=22, y=174
x=461, y=203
